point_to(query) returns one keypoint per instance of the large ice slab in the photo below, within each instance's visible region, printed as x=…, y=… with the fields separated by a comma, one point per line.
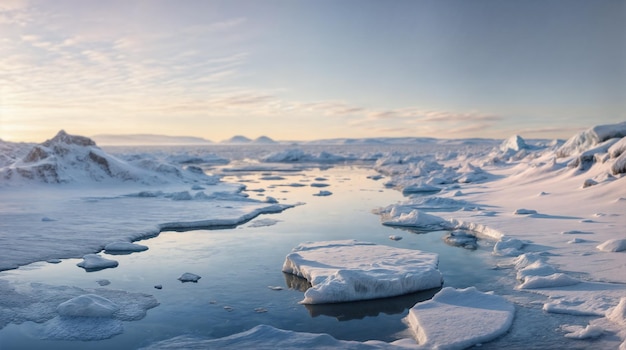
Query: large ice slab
x=349, y=270
x=460, y=318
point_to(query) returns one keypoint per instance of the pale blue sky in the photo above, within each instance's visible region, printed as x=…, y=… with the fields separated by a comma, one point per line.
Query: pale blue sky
x=309, y=70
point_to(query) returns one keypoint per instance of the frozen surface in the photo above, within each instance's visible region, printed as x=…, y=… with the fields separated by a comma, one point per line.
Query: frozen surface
x=460, y=318
x=124, y=247
x=350, y=270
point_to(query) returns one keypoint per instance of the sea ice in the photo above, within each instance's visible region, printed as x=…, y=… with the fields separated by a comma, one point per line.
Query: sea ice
x=323, y=193
x=189, y=277
x=124, y=247
x=350, y=270
x=578, y=332
x=460, y=318
x=96, y=262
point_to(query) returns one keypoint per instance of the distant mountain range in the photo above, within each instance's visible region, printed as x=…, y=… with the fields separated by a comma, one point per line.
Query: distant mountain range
x=147, y=140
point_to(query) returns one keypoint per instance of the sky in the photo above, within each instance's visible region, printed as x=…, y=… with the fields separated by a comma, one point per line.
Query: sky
x=303, y=70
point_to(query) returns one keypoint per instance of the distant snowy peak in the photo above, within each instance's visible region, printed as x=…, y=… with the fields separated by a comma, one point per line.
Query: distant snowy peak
x=148, y=139
x=591, y=137
x=76, y=159
x=515, y=143
x=237, y=139
x=264, y=140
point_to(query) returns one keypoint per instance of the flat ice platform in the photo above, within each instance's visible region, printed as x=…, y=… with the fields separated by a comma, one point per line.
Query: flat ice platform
x=350, y=270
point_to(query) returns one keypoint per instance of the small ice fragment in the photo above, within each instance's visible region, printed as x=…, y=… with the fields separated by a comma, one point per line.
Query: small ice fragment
x=275, y=287
x=271, y=200
x=124, y=247
x=53, y=261
x=96, y=262
x=189, y=277
x=228, y=308
x=578, y=332
x=395, y=238
x=316, y=184
x=260, y=310
x=525, y=212
x=586, y=221
x=158, y=286
x=323, y=193
x=103, y=282
x=47, y=219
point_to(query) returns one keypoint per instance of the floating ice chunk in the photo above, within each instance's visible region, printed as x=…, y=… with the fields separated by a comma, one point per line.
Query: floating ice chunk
x=460, y=318
x=124, y=247
x=578, y=332
x=96, y=262
x=613, y=245
x=395, y=238
x=271, y=200
x=350, y=270
x=263, y=222
x=525, y=212
x=415, y=218
x=554, y=280
x=88, y=305
x=460, y=238
x=181, y=196
x=189, y=277
x=103, y=282
x=47, y=219
x=323, y=193
x=318, y=184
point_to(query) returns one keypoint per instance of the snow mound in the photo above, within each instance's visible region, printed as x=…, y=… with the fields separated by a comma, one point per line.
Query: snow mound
x=578, y=332
x=522, y=211
x=92, y=262
x=460, y=318
x=88, y=305
x=267, y=337
x=515, y=143
x=613, y=245
x=124, y=247
x=415, y=218
x=554, y=280
x=618, y=313
x=591, y=137
x=350, y=270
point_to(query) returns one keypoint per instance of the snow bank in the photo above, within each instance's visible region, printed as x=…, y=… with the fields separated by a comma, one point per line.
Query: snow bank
x=591, y=137
x=551, y=281
x=613, y=245
x=350, y=270
x=460, y=318
x=618, y=313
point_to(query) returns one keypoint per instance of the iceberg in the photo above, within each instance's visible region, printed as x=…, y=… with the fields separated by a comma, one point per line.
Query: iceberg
x=351, y=270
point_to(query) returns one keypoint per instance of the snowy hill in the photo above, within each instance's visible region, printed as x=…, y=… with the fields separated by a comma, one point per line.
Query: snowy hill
x=148, y=139
x=76, y=159
x=237, y=139
x=264, y=140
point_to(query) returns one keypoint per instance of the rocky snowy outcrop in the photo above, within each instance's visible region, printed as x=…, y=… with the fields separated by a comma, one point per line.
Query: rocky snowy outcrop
x=77, y=159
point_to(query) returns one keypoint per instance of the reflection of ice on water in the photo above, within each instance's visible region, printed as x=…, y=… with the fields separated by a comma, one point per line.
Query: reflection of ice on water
x=370, y=308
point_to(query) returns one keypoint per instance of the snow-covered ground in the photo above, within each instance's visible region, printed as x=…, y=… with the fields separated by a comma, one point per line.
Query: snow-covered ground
x=554, y=211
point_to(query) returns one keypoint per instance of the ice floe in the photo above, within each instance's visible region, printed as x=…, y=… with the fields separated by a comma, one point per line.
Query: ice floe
x=122, y=247
x=460, y=318
x=350, y=270
x=92, y=262
x=189, y=277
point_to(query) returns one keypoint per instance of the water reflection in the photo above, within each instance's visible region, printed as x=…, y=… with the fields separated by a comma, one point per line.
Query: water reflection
x=359, y=309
